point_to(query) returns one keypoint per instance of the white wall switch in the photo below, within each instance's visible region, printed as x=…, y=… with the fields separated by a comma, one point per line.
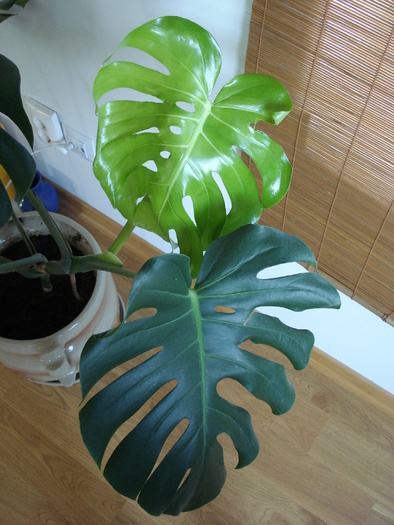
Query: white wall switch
x=82, y=145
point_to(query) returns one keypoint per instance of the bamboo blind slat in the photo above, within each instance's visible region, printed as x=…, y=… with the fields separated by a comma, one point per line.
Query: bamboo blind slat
x=336, y=59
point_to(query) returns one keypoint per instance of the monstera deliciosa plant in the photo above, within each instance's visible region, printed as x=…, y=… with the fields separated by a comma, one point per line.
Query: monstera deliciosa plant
x=170, y=165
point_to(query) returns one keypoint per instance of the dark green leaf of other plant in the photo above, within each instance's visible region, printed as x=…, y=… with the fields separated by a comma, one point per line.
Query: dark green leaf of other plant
x=20, y=167
x=10, y=97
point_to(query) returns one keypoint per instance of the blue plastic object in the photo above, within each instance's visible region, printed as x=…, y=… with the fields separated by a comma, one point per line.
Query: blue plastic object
x=45, y=191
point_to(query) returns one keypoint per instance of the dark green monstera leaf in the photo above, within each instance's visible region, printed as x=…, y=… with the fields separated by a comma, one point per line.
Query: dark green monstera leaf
x=152, y=155
x=199, y=348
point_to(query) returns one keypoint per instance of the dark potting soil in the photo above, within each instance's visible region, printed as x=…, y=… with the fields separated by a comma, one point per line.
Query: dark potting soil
x=26, y=311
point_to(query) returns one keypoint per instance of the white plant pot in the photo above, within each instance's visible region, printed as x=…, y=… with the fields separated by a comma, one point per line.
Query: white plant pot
x=55, y=359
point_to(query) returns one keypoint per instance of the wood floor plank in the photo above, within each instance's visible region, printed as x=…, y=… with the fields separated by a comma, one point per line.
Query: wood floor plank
x=365, y=462
x=313, y=485
x=52, y=471
x=266, y=504
x=380, y=515
x=345, y=404
x=361, y=387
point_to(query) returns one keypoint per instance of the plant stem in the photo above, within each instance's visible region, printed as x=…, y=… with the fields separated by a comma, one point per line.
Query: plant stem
x=23, y=234
x=7, y=266
x=45, y=279
x=64, y=247
x=122, y=238
x=120, y=271
x=106, y=261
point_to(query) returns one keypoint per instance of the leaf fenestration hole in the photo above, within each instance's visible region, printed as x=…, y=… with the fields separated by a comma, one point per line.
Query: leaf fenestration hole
x=190, y=108
x=151, y=165
x=230, y=455
x=140, y=199
x=135, y=361
x=173, y=240
x=176, y=130
x=121, y=94
x=165, y=154
x=281, y=270
x=225, y=310
x=113, y=374
x=226, y=197
x=188, y=206
x=129, y=425
x=253, y=169
x=237, y=150
x=174, y=436
x=184, y=478
x=153, y=129
x=265, y=351
x=233, y=391
x=142, y=58
x=142, y=313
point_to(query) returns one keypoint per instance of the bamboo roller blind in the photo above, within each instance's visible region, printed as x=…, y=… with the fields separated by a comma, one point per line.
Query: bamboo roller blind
x=336, y=59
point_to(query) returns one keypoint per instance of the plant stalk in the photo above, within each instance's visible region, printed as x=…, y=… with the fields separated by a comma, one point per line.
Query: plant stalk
x=7, y=266
x=102, y=261
x=45, y=279
x=23, y=234
x=122, y=238
x=64, y=247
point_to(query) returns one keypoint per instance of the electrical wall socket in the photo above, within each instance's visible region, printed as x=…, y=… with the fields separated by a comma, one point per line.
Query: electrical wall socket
x=45, y=120
x=48, y=127
x=82, y=145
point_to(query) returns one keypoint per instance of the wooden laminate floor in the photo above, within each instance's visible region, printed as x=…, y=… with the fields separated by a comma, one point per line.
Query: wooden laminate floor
x=328, y=461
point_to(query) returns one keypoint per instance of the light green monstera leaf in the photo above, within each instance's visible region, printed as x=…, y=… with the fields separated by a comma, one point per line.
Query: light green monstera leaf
x=152, y=155
x=199, y=346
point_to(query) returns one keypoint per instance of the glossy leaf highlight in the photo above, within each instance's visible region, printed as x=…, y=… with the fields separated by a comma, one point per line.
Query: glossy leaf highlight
x=152, y=154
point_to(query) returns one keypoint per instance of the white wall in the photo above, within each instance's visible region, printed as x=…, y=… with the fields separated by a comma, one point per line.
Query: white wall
x=352, y=335
x=59, y=45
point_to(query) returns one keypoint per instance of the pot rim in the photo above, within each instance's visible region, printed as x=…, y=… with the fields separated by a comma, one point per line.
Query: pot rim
x=97, y=295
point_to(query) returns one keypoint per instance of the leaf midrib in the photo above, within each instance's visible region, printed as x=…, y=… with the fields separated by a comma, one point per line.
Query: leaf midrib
x=186, y=156
x=257, y=291
x=200, y=344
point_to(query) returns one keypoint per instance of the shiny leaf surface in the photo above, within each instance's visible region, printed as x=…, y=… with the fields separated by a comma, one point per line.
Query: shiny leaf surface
x=153, y=154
